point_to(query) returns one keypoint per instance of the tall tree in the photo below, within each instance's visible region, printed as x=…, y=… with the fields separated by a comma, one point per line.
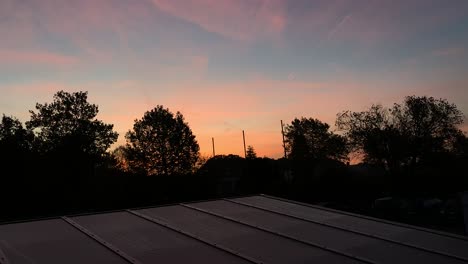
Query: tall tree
x=69, y=123
x=162, y=144
x=309, y=138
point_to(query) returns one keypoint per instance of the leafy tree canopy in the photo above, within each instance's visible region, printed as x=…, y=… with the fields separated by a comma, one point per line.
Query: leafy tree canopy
x=14, y=135
x=309, y=138
x=405, y=134
x=162, y=144
x=69, y=122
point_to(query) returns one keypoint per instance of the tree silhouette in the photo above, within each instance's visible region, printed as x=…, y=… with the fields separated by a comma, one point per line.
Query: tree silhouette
x=406, y=134
x=460, y=146
x=13, y=136
x=251, y=154
x=431, y=125
x=161, y=144
x=309, y=138
x=120, y=157
x=69, y=123
x=15, y=145
x=374, y=134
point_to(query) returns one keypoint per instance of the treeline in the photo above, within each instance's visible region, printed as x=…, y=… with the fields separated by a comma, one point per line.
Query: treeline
x=59, y=162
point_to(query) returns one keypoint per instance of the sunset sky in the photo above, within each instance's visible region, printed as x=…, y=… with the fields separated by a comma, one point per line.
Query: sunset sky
x=232, y=65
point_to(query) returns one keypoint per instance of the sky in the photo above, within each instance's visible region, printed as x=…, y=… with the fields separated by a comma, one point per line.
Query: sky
x=232, y=65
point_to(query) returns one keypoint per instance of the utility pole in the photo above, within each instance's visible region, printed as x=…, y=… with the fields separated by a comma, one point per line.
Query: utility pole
x=212, y=142
x=245, y=151
x=284, y=142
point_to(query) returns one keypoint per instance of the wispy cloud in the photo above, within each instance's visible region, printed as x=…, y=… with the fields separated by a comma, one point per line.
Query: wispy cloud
x=338, y=26
x=235, y=19
x=370, y=23
x=43, y=58
x=96, y=29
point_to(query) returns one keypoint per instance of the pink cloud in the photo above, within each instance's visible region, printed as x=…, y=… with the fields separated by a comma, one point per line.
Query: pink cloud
x=236, y=19
x=88, y=25
x=8, y=57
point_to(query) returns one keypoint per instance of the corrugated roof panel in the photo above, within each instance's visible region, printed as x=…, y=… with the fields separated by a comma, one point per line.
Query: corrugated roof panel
x=151, y=243
x=446, y=244
x=260, y=245
x=366, y=247
x=51, y=241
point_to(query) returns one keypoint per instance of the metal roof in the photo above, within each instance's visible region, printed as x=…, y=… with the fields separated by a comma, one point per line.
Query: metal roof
x=254, y=229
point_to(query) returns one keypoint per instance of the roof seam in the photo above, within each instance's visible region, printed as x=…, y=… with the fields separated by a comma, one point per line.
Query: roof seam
x=351, y=231
x=101, y=241
x=193, y=236
x=369, y=218
x=334, y=251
